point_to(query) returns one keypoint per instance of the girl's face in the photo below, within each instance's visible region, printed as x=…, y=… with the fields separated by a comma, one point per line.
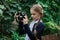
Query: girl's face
x=35, y=15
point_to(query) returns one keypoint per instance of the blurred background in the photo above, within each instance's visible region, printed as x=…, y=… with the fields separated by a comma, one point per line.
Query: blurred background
x=9, y=26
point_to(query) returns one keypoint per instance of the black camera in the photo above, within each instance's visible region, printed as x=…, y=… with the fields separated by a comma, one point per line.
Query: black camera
x=21, y=15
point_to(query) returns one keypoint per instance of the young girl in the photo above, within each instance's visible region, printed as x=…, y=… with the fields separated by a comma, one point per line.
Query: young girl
x=36, y=27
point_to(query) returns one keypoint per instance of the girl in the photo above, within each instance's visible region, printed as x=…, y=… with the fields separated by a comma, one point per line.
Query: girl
x=36, y=27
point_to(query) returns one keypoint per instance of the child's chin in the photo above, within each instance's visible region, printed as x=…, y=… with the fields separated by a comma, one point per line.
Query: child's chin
x=34, y=19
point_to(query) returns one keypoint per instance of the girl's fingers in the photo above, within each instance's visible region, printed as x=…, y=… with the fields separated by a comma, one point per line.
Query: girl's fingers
x=26, y=16
x=25, y=20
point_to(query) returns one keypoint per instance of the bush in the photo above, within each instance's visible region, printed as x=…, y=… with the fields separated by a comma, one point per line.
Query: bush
x=9, y=7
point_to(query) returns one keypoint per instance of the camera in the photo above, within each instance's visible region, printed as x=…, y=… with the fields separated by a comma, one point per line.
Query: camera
x=21, y=15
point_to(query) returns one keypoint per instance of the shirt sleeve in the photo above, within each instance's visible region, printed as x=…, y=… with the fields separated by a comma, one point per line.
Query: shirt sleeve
x=21, y=28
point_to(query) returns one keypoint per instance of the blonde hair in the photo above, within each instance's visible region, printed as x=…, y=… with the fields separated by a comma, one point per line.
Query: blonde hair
x=38, y=8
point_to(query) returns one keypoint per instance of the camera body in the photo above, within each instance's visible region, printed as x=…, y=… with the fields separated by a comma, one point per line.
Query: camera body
x=21, y=15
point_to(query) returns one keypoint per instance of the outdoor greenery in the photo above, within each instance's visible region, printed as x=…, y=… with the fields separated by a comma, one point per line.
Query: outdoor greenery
x=8, y=8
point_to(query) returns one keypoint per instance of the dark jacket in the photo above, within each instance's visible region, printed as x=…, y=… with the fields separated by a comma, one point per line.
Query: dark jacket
x=25, y=29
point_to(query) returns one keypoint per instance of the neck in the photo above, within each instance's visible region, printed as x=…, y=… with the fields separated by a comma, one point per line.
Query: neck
x=37, y=19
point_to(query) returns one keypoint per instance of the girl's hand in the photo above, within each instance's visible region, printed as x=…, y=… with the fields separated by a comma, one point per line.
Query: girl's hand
x=25, y=20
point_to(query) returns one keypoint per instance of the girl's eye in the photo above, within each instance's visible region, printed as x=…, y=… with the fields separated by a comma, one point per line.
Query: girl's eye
x=33, y=14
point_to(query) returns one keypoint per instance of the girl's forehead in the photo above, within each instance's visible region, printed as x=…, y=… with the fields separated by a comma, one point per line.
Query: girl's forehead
x=32, y=11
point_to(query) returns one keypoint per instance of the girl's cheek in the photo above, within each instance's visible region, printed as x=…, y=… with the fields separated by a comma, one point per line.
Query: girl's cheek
x=32, y=16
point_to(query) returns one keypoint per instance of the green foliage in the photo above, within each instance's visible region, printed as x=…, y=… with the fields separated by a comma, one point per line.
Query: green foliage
x=51, y=15
x=16, y=37
x=9, y=7
x=7, y=10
